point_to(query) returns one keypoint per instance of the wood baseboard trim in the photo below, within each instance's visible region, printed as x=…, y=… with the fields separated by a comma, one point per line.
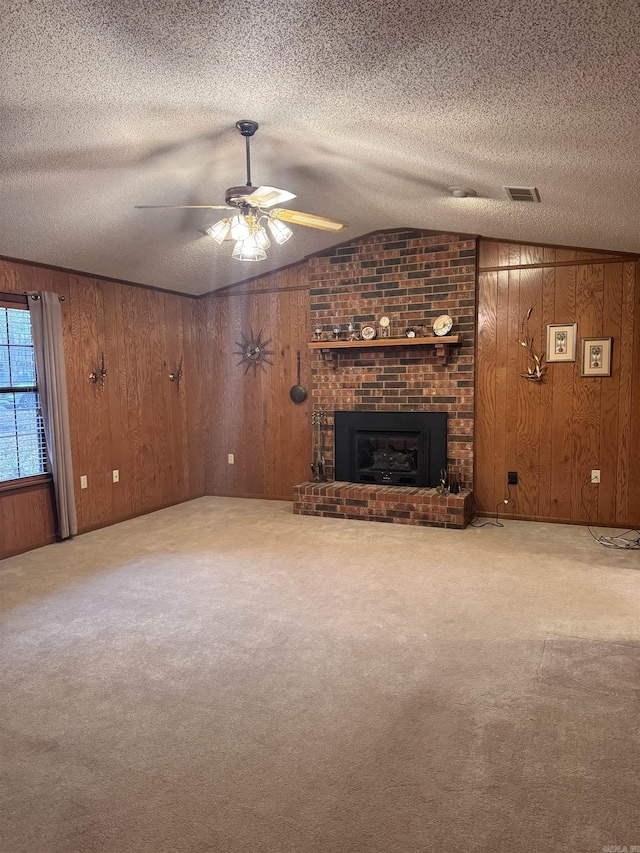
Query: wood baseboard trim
x=546, y=520
x=252, y=497
x=138, y=514
x=16, y=551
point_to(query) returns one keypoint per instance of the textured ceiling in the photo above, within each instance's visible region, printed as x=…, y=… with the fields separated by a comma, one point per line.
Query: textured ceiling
x=368, y=111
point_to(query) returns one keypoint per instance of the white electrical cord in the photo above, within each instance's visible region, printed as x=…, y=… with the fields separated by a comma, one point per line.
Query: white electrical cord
x=496, y=523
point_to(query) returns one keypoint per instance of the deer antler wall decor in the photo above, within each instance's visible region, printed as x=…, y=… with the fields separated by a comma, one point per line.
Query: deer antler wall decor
x=537, y=369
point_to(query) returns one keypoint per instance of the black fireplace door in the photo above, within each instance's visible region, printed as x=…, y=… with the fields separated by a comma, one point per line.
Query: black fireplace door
x=391, y=448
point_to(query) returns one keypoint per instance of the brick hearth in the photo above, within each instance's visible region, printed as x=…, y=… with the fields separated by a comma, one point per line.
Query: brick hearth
x=400, y=505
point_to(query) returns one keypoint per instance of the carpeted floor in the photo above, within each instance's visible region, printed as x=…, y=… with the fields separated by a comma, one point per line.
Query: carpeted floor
x=225, y=676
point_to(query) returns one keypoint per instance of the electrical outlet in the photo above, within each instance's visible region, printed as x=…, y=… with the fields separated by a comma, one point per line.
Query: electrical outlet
x=512, y=478
x=595, y=475
x=230, y=458
x=116, y=475
x=83, y=481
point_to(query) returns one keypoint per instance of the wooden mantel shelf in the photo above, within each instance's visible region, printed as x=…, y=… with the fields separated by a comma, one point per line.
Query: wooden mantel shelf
x=441, y=344
x=445, y=340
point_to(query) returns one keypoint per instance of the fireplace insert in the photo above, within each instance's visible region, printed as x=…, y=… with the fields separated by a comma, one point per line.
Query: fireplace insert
x=390, y=448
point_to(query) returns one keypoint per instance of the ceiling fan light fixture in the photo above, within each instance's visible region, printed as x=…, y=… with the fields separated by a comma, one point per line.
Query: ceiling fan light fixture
x=262, y=238
x=220, y=231
x=279, y=231
x=240, y=229
x=249, y=250
x=247, y=228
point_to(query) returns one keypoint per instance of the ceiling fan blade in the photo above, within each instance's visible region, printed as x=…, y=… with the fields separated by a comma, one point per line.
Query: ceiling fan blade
x=268, y=196
x=182, y=207
x=308, y=219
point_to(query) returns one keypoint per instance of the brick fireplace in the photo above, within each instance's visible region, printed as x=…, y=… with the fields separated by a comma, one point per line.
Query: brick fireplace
x=411, y=277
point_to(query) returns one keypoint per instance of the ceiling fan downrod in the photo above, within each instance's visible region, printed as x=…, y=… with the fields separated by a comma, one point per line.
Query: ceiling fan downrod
x=247, y=128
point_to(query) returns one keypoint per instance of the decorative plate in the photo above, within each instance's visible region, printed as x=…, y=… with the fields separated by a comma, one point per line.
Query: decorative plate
x=367, y=333
x=442, y=325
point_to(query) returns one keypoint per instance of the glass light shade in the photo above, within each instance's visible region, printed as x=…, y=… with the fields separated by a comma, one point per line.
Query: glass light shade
x=220, y=230
x=262, y=238
x=240, y=228
x=280, y=231
x=249, y=250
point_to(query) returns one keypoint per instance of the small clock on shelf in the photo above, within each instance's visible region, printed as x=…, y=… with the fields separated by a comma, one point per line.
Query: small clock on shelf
x=384, y=322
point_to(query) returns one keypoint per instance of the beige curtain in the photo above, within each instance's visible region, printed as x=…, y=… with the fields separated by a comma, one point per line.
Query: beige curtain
x=46, y=323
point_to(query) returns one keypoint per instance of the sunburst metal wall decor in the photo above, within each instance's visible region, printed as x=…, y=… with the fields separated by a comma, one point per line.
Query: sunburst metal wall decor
x=253, y=351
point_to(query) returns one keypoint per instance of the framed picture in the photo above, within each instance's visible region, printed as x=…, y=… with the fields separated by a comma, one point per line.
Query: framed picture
x=596, y=357
x=561, y=342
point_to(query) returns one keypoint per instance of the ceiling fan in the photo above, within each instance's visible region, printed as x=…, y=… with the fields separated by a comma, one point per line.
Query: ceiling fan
x=255, y=207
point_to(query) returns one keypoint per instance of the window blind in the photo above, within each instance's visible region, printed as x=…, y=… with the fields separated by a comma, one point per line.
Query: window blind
x=22, y=444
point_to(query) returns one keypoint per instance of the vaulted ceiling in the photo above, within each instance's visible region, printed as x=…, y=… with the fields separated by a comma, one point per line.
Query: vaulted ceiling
x=368, y=111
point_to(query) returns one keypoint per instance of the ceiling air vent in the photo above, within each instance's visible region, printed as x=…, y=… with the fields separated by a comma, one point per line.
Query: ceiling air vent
x=522, y=193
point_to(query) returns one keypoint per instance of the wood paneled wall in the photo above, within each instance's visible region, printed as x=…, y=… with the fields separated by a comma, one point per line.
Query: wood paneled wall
x=553, y=433
x=171, y=444
x=141, y=424
x=249, y=413
x=27, y=519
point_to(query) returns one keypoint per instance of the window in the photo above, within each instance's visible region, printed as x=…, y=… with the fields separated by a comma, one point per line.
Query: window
x=22, y=446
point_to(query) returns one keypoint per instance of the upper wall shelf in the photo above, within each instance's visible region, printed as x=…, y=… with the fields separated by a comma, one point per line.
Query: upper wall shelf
x=441, y=344
x=445, y=340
